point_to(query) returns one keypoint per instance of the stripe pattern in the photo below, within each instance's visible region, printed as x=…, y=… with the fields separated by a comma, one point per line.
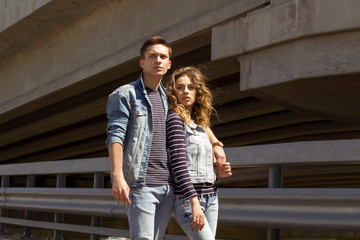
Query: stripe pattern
x=175, y=133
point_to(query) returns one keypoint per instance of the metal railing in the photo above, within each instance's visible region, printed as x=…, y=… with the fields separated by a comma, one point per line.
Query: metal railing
x=273, y=208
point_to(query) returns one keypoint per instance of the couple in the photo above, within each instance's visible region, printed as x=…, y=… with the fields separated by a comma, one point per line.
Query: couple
x=163, y=160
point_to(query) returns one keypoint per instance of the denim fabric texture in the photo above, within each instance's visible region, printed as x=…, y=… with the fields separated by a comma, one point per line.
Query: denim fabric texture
x=146, y=201
x=130, y=124
x=199, y=154
x=183, y=213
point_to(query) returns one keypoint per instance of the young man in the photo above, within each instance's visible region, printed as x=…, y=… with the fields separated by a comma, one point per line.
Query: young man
x=141, y=175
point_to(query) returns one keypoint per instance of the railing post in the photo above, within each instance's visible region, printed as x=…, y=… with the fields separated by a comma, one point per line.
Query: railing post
x=5, y=180
x=60, y=183
x=275, y=181
x=30, y=182
x=275, y=176
x=96, y=221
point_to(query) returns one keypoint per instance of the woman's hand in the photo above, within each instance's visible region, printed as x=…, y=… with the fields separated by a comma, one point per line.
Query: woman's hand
x=198, y=221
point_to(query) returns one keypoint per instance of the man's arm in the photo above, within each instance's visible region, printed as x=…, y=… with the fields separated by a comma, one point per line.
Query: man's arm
x=120, y=188
x=219, y=156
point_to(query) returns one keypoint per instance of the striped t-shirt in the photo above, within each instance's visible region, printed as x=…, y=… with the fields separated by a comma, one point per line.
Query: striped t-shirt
x=175, y=134
x=158, y=169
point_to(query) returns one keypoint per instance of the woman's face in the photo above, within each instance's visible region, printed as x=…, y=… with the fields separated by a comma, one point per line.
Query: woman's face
x=185, y=92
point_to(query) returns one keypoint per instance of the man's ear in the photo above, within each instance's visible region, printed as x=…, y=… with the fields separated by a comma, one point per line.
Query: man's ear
x=169, y=65
x=141, y=63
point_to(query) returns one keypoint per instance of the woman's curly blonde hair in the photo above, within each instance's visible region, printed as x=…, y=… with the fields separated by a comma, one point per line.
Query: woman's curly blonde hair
x=202, y=108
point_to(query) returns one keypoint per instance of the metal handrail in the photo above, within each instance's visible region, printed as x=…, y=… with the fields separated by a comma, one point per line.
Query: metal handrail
x=279, y=207
x=315, y=209
x=80, y=201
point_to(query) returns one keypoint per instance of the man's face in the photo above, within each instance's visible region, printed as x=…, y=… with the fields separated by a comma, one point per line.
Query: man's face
x=156, y=60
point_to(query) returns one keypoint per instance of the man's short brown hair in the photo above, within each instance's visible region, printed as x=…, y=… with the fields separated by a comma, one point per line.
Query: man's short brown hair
x=153, y=41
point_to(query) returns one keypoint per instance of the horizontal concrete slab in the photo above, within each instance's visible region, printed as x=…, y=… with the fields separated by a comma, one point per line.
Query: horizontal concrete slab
x=87, y=38
x=289, y=21
x=13, y=11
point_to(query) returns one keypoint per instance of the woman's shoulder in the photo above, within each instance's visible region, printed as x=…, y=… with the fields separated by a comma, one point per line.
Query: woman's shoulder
x=174, y=116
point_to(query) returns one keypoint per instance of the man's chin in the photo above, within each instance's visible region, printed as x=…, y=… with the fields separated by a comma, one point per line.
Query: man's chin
x=160, y=73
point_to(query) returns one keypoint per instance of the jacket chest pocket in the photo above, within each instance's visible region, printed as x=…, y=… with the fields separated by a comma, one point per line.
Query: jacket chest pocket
x=196, y=154
x=138, y=116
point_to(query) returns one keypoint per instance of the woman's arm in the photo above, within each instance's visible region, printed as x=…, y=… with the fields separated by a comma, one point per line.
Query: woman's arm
x=177, y=150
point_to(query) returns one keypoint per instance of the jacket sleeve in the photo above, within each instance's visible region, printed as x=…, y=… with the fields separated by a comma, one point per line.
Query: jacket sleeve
x=118, y=114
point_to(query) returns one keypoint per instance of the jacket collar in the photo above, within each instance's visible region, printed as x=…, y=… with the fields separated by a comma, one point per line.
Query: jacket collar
x=141, y=84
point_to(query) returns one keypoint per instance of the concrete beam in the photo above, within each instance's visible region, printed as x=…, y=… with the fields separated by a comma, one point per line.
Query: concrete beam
x=334, y=151
x=284, y=22
x=302, y=55
x=13, y=11
x=314, y=57
x=89, y=37
x=318, y=75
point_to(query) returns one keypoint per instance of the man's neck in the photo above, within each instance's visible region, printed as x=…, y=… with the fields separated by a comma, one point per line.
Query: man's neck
x=152, y=82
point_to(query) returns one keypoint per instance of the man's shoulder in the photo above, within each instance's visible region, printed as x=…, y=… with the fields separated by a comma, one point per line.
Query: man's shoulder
x=128, y=88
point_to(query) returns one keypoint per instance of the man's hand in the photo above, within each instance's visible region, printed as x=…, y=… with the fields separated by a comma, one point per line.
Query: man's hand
x=224, y=170
x=120, y=190
x=219, y=157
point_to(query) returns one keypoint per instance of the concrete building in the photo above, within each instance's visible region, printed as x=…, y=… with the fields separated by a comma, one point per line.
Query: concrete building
x=282, y=72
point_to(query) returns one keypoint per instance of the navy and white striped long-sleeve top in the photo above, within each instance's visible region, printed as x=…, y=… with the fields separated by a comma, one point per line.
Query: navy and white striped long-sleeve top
x=177, y=150
x=158, y=168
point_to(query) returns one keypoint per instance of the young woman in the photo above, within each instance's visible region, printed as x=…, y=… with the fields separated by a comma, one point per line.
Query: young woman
x=190, y=150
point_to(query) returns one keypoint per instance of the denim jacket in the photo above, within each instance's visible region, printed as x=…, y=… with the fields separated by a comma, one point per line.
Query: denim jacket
x=199, y=154
x=130, y=124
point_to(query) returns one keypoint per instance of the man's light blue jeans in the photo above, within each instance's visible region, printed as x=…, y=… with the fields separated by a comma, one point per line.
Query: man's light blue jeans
x=150, y=211
x=183, y=213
